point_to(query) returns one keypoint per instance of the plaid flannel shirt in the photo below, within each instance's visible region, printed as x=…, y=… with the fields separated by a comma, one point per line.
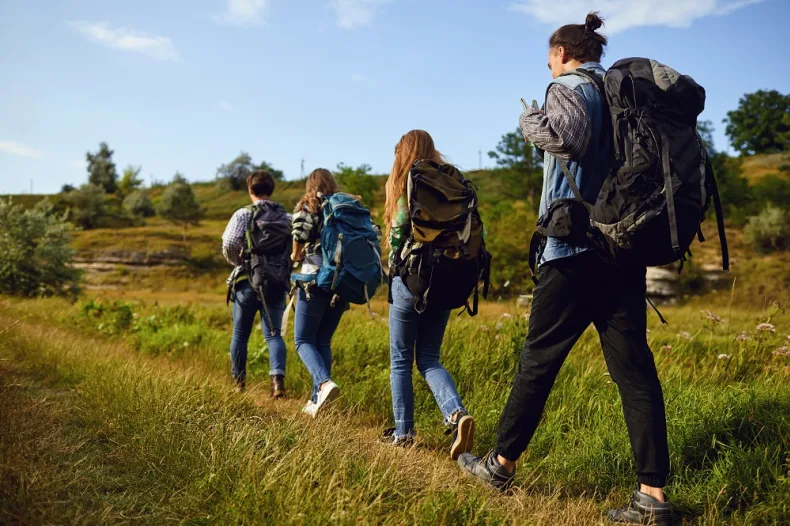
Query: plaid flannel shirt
x=563, y=128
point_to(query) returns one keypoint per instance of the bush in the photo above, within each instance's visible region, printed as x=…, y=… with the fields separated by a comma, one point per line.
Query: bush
x=769, y=230
x=86, y=205
x=138, y=204
x=35, y=255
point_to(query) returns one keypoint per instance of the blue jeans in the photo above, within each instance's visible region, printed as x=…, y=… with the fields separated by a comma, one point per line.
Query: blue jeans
x=414, y=335
x=315, y=322
x=245, y=306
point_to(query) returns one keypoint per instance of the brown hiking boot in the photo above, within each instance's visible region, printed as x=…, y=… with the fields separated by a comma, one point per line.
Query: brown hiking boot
x=278, y=386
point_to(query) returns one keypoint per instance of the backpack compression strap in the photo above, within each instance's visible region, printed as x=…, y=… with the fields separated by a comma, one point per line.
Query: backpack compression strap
x=725, y=253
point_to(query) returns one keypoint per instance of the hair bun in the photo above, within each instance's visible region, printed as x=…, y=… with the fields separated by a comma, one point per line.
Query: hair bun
x=593, y=22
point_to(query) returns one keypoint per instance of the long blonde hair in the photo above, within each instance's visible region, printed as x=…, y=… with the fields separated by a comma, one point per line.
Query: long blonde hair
x=320, y=181
x=413, y=146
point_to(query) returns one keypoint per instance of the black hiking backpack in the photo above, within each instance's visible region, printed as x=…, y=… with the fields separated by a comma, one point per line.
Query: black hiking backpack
x=660, y=183
x=267, y=262
x=444, y=257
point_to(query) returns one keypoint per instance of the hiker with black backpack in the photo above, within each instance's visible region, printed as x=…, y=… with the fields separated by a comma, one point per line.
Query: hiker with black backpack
x=437, y=257
x=336, y=244
x=626, y=184
x=256, y=242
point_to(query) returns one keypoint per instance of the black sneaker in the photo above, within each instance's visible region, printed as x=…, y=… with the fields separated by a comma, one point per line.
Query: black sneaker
x=643, y=509
x=488, y=469
x=463, y=434
x=391, y=439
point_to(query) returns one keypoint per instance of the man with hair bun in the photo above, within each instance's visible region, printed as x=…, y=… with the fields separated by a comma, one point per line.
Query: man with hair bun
x=575, y=287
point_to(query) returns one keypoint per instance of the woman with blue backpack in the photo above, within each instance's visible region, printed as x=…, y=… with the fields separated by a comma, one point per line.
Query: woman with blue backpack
x=318, y=313
x=418, y=319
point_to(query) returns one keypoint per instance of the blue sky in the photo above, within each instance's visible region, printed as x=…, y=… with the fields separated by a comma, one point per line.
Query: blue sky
x=186, y=85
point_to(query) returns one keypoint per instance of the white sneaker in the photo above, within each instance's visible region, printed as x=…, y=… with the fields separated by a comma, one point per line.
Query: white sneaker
x=310, y=408
x=328, y=392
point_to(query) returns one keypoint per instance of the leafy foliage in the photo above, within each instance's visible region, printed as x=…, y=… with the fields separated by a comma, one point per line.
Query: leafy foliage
x=178, y=205
x=130, y=181
x=138, y=204
x=760, y=124
x=233, y=176
x=358, y=181
x=101, y=169
x=769, y=230
x=86, y=205
x=519, y=167
x=35, y=252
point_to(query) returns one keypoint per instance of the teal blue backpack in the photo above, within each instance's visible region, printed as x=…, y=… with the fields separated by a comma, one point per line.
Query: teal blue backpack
x=351, y=267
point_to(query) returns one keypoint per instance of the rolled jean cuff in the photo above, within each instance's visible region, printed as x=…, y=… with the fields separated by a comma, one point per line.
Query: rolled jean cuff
x=273, y=372
x=448, y=419
x=652, y=480
x=505, y=454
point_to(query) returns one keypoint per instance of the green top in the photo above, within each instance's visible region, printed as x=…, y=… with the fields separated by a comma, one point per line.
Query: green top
x=399, y=229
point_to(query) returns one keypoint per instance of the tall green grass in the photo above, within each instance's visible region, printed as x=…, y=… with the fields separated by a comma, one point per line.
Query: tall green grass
x=725, y=384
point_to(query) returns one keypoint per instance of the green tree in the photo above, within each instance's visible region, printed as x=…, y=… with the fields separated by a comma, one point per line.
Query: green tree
x=35, y=252
x=66, y=188
x=759, y=125
x=130, y=181
x=277, y=174
x=138, y=205
x=358, y=181
x=233, y=176
x=178, y=178
x=178, y=205
x=705, y=130
x=86, y=205
x=101, y=169
x=519, y=167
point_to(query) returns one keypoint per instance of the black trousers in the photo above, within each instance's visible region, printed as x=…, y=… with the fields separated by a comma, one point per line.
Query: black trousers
x=572, y=293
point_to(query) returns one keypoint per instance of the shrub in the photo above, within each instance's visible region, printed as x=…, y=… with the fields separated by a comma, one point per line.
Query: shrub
x=138, y=204
x=769, y=230
x=86, y=205
x=35, y=255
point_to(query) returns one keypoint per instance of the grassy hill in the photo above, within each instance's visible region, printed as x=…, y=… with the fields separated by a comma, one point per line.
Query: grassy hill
x=756, y=167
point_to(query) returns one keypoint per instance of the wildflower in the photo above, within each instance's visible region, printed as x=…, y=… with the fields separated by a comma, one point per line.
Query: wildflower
x=666, y=347
x=685, y=335
x=782, y=351
x=766, y=327
x=648, y=331
x=497, y=337
x=788, y=338
x=711, y=317
x=484, y=328
x=507, y=283
x=742, y=337
x=526, y=317
x=499, y=326
x=723, y=357
x=506, y=315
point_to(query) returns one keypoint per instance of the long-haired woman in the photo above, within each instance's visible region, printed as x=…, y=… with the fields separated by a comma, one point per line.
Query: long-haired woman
x=417, y=337
x=316, y=316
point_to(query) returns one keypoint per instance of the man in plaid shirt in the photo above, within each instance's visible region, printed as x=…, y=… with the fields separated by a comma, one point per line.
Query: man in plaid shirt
x=246, y=303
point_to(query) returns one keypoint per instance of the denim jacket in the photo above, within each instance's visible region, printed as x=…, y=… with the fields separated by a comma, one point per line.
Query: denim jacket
x=589, y=172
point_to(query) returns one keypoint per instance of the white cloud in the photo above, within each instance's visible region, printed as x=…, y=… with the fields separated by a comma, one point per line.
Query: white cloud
x=352, y=14
x=22, y=150
x=226, y=106
x=621, y=15
x=243, y=12
x=159, y=48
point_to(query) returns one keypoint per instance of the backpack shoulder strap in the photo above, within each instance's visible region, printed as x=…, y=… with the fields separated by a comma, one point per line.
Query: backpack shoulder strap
x=248, y=230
